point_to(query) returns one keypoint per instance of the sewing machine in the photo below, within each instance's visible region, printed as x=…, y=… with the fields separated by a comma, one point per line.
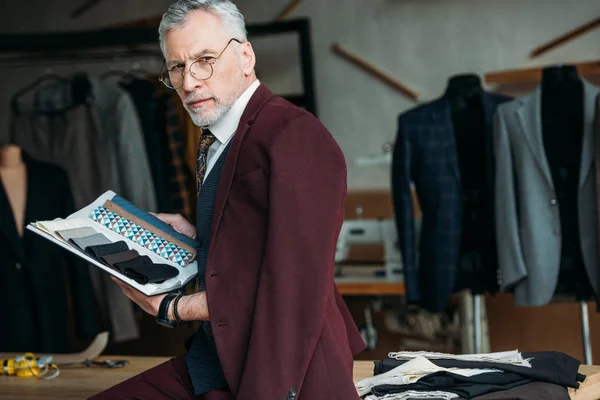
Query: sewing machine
x=372, y=231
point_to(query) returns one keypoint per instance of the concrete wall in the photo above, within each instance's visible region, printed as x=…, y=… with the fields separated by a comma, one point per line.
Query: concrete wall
x=420, y=42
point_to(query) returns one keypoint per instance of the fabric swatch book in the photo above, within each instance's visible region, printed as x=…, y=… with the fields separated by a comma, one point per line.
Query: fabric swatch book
x=131, y=244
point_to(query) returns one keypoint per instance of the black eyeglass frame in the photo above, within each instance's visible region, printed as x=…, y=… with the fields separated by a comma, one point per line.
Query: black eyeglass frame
x=210, y=63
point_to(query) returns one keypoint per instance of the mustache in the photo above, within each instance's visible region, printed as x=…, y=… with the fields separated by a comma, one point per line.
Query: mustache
x=196, y=96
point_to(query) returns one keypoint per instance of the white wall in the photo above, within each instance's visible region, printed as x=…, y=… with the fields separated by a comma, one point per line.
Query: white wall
x=420, y=42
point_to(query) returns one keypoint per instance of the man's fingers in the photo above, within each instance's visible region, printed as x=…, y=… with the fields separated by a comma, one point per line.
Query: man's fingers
x=169, y=218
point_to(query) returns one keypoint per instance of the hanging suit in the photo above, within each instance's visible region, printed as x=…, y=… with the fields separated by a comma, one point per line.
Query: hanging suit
x=34, y=272
x=426, y=153
x=529, y=226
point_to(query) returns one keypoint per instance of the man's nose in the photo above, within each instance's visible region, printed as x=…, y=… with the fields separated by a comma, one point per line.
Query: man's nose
x=190, y=83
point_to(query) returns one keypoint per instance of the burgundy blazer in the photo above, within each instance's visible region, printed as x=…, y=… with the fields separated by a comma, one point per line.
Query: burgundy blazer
x=281, y=327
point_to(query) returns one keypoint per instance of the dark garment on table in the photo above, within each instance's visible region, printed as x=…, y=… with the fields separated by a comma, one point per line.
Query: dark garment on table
x=35, y=273
x=202, y=358
x=143, y=94
x=562, y=130
x=551, y=367
x=465, y=386
x=453, y=197
x=169, y=380
x=529, y=391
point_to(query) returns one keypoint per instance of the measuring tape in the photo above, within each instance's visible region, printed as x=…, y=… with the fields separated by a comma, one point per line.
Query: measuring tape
x=28, y=365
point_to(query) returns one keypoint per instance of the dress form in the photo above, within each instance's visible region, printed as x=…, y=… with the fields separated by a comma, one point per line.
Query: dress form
x=13, y=177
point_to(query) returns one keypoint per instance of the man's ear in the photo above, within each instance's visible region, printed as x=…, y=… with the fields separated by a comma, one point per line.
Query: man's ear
x=248, y=58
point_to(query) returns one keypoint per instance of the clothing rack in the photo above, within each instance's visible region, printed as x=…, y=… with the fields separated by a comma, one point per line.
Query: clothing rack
x=43, y=48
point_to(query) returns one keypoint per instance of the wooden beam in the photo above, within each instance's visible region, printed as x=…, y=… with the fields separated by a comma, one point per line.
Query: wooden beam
x=575, y=33
x=85, y=7
x=374, y=71
x=292, y=5
x=534, y=75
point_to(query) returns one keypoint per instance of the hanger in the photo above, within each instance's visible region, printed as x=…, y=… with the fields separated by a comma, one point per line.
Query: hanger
x=49, y=76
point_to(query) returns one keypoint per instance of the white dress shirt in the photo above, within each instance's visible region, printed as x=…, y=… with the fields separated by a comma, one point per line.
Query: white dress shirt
x=225, y=128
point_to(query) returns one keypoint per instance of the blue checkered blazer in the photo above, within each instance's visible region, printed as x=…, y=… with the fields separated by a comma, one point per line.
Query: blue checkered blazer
x=425, y=154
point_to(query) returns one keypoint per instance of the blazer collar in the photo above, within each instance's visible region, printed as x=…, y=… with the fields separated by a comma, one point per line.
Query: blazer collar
x=442, y=115
x=260, y=97
x=529, y=115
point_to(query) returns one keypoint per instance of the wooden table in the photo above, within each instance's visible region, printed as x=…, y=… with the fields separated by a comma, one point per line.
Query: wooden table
x=82, y=382
x=361, y=281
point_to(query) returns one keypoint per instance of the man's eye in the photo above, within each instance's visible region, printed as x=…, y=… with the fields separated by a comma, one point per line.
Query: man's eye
x=177, y=67
x=206, y=60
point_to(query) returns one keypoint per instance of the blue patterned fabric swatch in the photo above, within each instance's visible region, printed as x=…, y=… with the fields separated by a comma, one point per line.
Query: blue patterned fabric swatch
x=141, y=236
x=152, y=220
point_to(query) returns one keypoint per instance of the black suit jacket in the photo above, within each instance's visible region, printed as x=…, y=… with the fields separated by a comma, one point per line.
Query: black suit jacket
x=35, y=274
x=425, y=153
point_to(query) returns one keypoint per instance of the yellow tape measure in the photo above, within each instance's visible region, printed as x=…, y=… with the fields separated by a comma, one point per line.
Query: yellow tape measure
x=28, y=365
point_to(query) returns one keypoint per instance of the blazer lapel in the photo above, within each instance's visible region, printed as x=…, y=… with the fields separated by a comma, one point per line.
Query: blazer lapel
x=443, y=120
x=587, y=151
x=530, y=118
x=257, y=101
x=9, y=228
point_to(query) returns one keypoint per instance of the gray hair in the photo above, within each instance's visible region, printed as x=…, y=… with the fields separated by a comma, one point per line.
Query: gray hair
x=228, y=13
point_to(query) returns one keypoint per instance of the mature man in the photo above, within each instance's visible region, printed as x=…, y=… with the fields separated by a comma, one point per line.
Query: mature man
x=272, y=183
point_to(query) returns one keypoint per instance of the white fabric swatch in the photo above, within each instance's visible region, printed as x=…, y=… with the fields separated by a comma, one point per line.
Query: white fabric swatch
x=413, y=394
x=60, y=224
x=411, y=372
x=513, y=357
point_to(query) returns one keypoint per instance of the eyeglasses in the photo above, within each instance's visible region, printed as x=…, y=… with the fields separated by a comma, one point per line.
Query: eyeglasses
x=201, y=69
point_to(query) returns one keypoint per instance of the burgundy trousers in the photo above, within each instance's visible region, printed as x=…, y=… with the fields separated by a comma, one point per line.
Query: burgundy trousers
x=169, y=380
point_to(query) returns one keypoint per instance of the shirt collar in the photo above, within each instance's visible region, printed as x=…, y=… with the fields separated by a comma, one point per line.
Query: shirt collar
x=225, y=127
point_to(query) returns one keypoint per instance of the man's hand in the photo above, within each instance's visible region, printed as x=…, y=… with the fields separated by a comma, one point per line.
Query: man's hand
x=179, y=223
x=147, y=303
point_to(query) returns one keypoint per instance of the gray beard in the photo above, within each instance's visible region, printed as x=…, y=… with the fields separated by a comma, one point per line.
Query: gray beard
x=222, y=107
x=200, y=119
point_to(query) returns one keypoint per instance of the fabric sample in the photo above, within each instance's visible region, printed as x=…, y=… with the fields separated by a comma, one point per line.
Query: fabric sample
x=106, y=249
x=123, y=265
x=464, y=386
x=552, y=367
x=76, y=233
x=508, y=357
x=415, y=395
x=411, y=372
x=92, y=240
x=529, y=391
x=151, y=273
x=141, y=236
x=153, y=224
x=112, y=259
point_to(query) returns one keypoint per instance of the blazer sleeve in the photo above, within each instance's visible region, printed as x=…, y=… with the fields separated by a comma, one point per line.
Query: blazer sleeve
x=510, y=252
x=307, y=188
x=403, y=205
x=82, y=293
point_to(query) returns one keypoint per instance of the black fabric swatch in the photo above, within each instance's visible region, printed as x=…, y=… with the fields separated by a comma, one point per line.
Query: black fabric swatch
x=150, y=273
x=112, y=259
x=98, y=251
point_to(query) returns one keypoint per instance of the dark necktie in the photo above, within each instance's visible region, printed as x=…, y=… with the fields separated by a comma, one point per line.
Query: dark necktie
x=204, y=143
